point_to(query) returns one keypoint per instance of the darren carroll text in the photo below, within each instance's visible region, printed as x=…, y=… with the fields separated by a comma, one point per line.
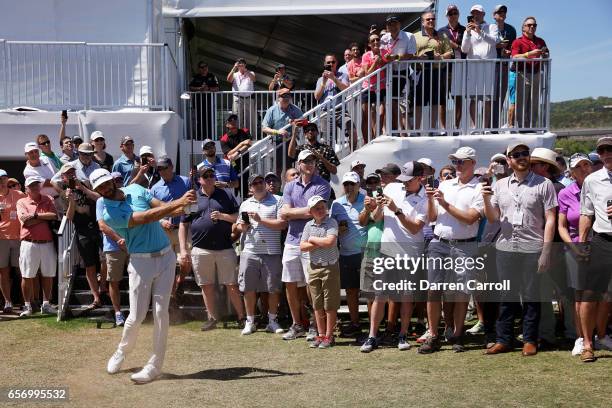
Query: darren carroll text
x=470, y=285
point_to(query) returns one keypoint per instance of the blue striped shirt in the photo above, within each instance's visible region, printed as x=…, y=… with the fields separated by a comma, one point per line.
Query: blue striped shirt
x=353, y=241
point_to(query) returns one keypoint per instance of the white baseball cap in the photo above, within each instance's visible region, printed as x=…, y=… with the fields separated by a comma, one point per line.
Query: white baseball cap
x=477, y=7
x=351, y=177
x=426, y=161
x=498, y=156
x=575, y=159
x=304, y=154
x=96, y=135
x=314, y=200
x=33, y=179
x=99, y=177
x=30, y=146
x=145, y=150
x=463, y=153
x=356, y=163
x=3, y=173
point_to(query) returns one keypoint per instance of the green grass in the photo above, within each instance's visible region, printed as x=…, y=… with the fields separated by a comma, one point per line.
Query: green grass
x=222, y=368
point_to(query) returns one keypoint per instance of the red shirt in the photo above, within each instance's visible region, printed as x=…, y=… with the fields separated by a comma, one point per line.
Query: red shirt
x=9, y=224
x=25, y=207
x=522, y=45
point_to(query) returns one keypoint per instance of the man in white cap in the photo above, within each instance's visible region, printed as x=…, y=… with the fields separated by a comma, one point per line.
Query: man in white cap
x=352, y=237
x=134, y=214
x=295, y=210
x=37, y=251
x=145, y=172
x=404, y=216
x=9, y=237
x=39, y=166
x=358, y=167
x=595, y=201
x=456, y=206
x=479, y=42
x=525, y=204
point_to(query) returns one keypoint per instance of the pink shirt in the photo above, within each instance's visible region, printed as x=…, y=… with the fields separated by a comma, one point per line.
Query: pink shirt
x=9, y=224
x=25, y=207
x=366, y=61
x=354, y=66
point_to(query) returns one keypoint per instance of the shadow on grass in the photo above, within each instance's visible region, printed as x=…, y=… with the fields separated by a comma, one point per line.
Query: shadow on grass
x=229, y=374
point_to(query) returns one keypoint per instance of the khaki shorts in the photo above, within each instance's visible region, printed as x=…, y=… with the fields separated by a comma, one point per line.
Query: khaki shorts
x=9, y=252
x=324, y=284
x=211, y=264
x=116, y=262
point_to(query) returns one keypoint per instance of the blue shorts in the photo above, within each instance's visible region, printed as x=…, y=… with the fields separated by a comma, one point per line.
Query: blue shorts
x=512, y=87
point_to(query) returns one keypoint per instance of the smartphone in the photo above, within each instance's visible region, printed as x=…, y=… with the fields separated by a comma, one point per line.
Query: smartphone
x=373, y=27
x=71, y=183
x=245, y=217
x=610, y=204
x=301, y=122
x=430, y=55
x=486, y=179
x=65, y=114
x=499, y=169
x=430, y=181
x=327, y=67
x=379, y=192
x=369, y=192
x=470, y=19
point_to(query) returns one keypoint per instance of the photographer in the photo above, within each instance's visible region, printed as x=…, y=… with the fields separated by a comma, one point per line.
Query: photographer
x=145, y=173
x=331, y=81
x=281, y=79
x=243, y=85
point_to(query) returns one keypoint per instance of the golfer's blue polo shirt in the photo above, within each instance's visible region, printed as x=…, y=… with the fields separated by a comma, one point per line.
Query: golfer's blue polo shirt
x=144, y=238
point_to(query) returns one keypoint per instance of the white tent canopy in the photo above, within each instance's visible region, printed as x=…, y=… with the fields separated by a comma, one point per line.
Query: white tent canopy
x=222, y=8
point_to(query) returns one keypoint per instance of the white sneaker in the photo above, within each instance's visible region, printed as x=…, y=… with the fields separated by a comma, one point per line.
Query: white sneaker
x=578, y=346
x=424, y=337
x=249, y=328
x=47, y=309
x=274, y=327
x=312, y=333
x=147, y=374
x=478, y=328
x=604, y=343
x=114, y=363
x=27, y=311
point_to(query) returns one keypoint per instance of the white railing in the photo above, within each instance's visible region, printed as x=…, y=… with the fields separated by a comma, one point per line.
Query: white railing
x=67, y=261
x=207, y=111
x=80, y=75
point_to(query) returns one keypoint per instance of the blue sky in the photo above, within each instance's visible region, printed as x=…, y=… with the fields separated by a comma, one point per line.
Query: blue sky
x=579, y=36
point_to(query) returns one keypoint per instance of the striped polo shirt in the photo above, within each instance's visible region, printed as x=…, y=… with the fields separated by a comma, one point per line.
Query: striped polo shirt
x=328, y=226
x=260, y=239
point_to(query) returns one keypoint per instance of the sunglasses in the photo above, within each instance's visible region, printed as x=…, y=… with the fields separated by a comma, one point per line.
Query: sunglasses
x=331, y=62
x=349, y=183
x=85, y=154
x=162, y=168
x=430, y=19
x=447, y=175
x=308, y=161
x=375, y=40
x=459, y=162
x=518, y=155
x=604, y=149
x=128, y=144
x=531, y=25
x=13, y=185
x=454, y=13
x=47, y=143
x=208, y=176
x=271, y=181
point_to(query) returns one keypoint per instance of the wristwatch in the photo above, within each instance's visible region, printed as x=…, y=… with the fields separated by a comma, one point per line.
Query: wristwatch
x=398, y=212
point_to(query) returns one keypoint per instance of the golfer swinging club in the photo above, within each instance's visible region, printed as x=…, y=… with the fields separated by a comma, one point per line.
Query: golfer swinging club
x=134, y=214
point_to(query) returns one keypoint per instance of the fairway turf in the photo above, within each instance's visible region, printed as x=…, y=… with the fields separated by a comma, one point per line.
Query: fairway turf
x=221, y=368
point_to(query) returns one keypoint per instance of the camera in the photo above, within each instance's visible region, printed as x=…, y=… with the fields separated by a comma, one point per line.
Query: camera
x=327, y=67
x=470, y=19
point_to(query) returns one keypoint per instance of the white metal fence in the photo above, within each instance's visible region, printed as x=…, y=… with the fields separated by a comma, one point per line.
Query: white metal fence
x=67, y=261
x=79, y=75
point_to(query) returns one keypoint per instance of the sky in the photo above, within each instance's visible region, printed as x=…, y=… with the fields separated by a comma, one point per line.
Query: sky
x=578, y=35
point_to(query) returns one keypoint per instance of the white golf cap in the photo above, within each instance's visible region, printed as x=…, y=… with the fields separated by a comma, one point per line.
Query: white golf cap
x=351, y=177
x=30, y=146
x=33, y=179
x=356, y=163
x=304, y=154
x=145, y=150
x=3, y=173
x=96, y=135
x=207, y=141
x=498, y=156
x=426, y=161
x=314, y=200
x=477, y=7
x=575, y=159
x=99, y=177
x=463, y=153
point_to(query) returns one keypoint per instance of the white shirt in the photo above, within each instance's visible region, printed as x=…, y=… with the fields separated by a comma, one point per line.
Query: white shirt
x=594, y=196
x=243, y=84
x=260, y=239
x=397, y=240
x=405, y=43
x=463, y=197
x=44, y=170
x=481, y=46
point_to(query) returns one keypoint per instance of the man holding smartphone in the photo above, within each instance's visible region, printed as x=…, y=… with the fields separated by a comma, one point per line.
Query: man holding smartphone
x=260, y=261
